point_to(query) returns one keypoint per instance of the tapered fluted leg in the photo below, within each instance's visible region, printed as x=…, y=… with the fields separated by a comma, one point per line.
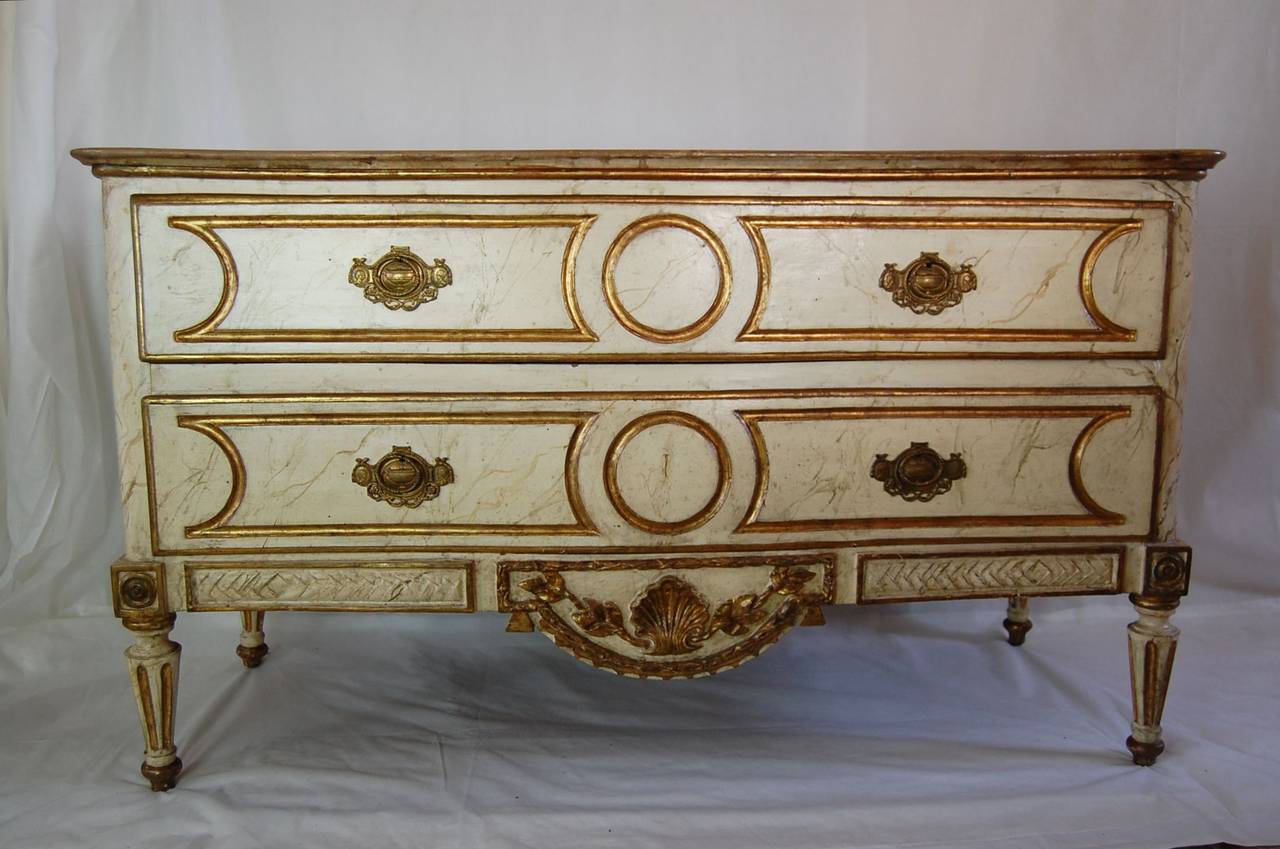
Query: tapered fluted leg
x=1152, y=643
x=1017, y=620
x=252, y=648
x=153, y=670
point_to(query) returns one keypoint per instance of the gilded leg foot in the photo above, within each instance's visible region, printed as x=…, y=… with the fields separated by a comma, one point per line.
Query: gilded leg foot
x=1144, y=754
x=252, y=648
x=1017, y=620
x=153, y=669
x=1152, y=643
x=162, y=778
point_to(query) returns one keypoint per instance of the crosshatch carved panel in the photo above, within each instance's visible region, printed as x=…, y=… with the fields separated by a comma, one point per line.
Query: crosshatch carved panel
x=364, y=586
x=974, y=575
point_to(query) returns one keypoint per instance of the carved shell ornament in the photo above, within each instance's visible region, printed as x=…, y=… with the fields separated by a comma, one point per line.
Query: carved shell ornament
x=671, y=618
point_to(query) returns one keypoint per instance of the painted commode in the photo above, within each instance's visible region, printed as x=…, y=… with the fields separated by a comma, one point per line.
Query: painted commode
x=660, y=406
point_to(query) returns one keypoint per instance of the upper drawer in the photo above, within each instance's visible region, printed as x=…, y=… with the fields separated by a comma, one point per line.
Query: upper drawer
x=658, y=278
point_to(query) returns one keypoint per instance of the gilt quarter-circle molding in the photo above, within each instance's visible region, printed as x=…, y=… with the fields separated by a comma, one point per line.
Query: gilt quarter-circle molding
x=613, y=455
x=648, y=332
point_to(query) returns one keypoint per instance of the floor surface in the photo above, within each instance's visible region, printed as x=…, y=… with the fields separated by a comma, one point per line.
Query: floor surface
x=892, y=726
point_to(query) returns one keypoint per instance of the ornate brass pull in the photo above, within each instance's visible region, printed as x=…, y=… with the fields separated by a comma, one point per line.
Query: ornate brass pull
x=919, y=473
x=402, y=478
x=400, y=279
x=928, y=285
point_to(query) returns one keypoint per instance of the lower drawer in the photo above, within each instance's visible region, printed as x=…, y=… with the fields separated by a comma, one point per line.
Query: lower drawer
x=645, y=471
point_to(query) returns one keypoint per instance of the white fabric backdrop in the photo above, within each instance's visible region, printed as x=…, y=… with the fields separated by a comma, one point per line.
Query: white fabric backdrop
x=795, y=75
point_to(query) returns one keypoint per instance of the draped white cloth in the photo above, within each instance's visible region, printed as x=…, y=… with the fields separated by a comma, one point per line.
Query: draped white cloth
x=890, y=727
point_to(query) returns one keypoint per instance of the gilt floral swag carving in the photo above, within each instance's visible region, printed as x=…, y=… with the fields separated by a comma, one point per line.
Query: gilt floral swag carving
x=670, y=617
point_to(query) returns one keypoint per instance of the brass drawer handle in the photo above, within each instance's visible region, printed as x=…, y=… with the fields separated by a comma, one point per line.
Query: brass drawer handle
x=929, y=284
x=400, y=279
x=402, y=478
x=918, y=473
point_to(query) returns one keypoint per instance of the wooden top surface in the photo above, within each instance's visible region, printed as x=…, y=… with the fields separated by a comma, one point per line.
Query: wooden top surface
x=650, y=164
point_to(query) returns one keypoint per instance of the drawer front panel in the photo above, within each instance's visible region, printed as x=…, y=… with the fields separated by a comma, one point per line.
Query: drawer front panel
x=356, y=473
x=940, y=466
x=439, y=586
x=626, y=278
x=599, y=471
x=276, y=279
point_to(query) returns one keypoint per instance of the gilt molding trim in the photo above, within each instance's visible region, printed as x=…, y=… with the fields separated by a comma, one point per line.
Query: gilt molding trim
x=704, y=514
x=701, y=324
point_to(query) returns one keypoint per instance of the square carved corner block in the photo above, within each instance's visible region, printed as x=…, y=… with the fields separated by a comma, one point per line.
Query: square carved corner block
x=661, y=407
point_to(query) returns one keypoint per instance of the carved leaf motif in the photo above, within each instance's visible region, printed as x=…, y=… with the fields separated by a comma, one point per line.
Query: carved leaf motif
x=672, y=617
x=600, y=618
x=548, y=587
x=788, y=581
x=736, y=616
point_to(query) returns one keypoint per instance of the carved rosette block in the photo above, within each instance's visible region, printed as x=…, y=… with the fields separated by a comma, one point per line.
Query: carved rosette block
x=666, y=618
x=400, y=279
x=402, y=478
x=140, y=600
x=1153, y=641
x=929, y=284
